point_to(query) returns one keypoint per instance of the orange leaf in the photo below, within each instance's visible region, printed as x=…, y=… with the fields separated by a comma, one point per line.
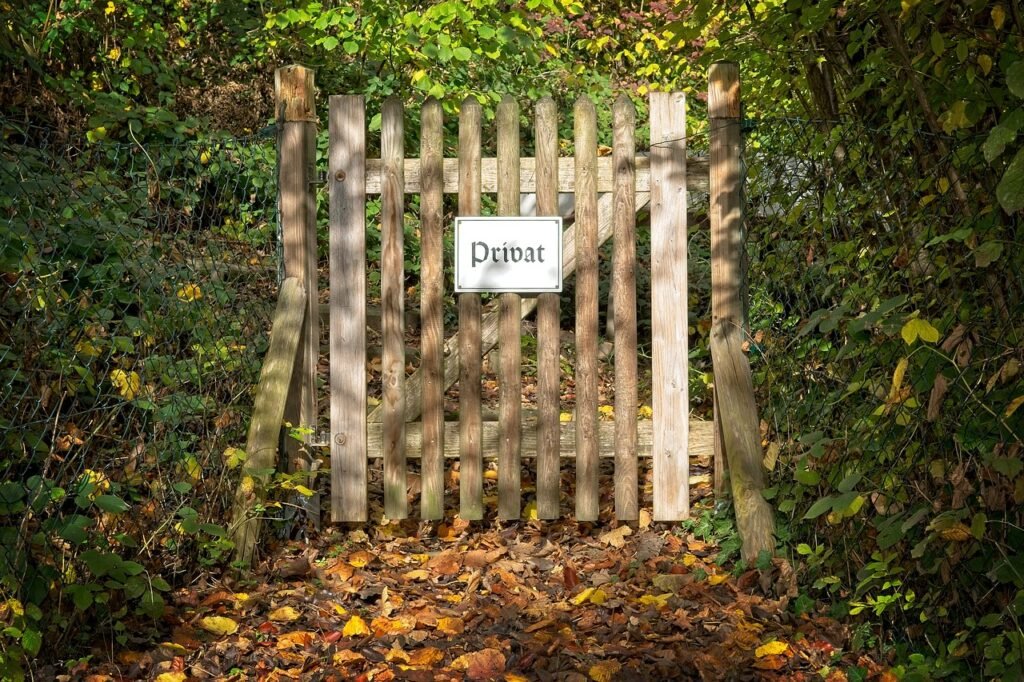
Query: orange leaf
x=428, y=656
x=402, y=625
x=295, y=640
x=451, y=626
x=355, y=627
x=481, y=665
x=770, y=663
x=347, y=656
x=360, y=558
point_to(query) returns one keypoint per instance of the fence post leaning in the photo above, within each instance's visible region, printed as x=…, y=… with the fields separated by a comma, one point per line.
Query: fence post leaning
x=734, y=388
x=296, y=125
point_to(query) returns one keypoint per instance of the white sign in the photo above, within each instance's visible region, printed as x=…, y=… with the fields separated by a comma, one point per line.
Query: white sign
x=517, y=255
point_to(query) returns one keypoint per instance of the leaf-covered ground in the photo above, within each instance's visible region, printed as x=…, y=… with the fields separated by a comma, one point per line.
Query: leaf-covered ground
x=482, y=601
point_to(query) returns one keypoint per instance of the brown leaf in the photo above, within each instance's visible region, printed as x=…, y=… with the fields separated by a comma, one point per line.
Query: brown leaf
x=445, y=563
x=569, y=577
x=347, y=656
x=360, y=558
x=485, y=664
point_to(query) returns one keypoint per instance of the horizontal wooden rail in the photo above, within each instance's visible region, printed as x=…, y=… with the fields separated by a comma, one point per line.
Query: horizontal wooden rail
x=489, y=322
x=261, y=448
x=701, y=441
x=696, y=175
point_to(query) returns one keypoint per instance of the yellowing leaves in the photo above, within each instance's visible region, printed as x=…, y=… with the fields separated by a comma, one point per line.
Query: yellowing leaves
x=1012, y=407
x=190, y=292
x=775, y=648
x=285, y=614
x=998, y=16
x=127, y=383
x=657, y=600
x=592, y=595
x=219, y=625
x=604, y=671
x=645, y=412
x=919, y=329
x=717, y=579
x=985, y=63
x=171, y=677
x=355, y=627
x=451, y=625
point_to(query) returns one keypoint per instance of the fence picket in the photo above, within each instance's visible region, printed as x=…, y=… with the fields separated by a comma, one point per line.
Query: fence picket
x=624, y=304
x=392, y=149
x=587, y=493
x=471, y=481
x=510, y=384
x=548, y=323
x=431, y=297
x=669, y=306
x=347, y=323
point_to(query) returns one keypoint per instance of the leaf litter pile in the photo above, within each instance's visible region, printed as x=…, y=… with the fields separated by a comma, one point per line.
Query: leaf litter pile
x=456, y=600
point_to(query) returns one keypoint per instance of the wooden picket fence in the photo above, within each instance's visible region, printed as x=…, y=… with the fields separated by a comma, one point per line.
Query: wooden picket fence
x=609, y=191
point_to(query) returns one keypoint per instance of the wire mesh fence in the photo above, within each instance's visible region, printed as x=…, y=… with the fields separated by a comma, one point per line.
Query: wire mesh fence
x=887, y=322
x=136, y=285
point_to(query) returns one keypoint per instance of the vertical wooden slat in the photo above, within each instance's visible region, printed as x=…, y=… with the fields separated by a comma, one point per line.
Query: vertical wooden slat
x=548, y=323
x=587, y=493
x=510, y=385
x=669, y=306
x=471, y=480
x=347, y=247
x=431, y=292
x=734, y=386
x=296, y=109
x=392, y=277
x=624, y=304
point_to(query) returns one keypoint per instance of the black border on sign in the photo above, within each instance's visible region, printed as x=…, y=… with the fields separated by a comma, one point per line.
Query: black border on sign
x=505, y=219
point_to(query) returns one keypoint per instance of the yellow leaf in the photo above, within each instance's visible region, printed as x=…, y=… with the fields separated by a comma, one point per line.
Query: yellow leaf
x=360, y=558
x=512, y=677
x=346, y=656
x=114, y=54
x=190, y=292
x=110, y=9
x=660, y=601
x=897, y=381
x=604, y=671
x=451, y=625
x=218, y=625
x=127, y=383
x=204, y=157
x=355, y=627
x=998, y=16
x=645, y=412
x=1012, y=407
x=598, y=597
x=606, y=412
x=985, y=63
x=958, y=532
x=416, y=574
x=234, y=457
x=285, y=614
x=717, y=579
x=171, y=677
x=918, y=328
x=530, y=512
x=689, y=559
x=299, y=639
x=565, y=417
x=645, y=519
x=771, y=649
x=583, y=596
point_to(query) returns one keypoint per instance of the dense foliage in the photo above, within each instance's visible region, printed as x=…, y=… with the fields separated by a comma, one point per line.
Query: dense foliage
x=884, y=210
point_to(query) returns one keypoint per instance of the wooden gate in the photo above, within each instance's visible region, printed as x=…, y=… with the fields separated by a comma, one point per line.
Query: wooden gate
x=608, y=192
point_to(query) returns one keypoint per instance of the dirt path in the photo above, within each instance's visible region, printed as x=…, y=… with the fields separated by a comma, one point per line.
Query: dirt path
x=523, y=601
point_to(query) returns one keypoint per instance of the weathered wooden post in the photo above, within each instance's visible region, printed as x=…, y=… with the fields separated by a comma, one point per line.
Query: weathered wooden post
x=296, y=125
x=734, y=387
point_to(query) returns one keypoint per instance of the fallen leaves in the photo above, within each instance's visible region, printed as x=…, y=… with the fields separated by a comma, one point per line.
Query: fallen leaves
x=481, y=665
x=616, y=537
x=355, y=627
x=285, y=614
x=605, y=671
x=219, y=625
